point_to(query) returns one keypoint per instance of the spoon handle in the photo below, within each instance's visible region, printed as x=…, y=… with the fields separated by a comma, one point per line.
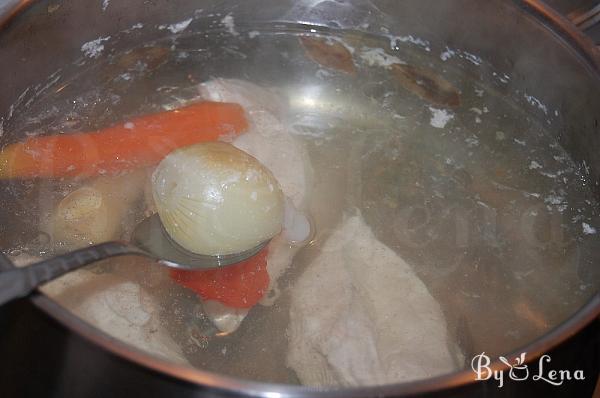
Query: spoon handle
x=20, y=282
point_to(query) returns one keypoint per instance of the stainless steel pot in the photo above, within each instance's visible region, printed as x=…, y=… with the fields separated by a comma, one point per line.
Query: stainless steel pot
x=541, y=50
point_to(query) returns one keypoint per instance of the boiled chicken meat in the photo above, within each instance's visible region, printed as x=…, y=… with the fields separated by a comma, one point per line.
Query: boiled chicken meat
x=272, y=142
x=115, y=304
x=360, y=316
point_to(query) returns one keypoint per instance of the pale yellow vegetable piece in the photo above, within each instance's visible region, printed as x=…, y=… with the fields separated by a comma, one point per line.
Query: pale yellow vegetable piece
x=216, y=199
x=97, y=211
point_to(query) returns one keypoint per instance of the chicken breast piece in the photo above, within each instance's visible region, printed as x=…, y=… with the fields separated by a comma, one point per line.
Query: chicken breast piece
x=268, y=139
x=273, y=144
x=114, y=304
x=360, y=316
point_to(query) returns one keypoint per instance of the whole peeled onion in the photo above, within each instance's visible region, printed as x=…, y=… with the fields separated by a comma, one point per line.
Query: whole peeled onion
x=215, y=199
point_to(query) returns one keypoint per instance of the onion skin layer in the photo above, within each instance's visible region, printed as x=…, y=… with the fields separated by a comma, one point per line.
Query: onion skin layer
x=215, y=199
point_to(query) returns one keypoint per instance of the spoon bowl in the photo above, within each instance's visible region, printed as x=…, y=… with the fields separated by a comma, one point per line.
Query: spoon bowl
x=149, y=239
x=151, y=236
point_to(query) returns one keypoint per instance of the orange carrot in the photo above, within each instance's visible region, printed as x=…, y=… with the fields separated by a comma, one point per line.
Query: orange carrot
x=139, y=142
x=240, y=286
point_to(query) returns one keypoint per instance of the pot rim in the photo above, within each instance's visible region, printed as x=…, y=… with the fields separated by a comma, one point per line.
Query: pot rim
x=568, y=328
x=536, y=9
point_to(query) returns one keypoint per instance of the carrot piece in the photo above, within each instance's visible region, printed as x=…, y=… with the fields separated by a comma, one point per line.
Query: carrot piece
x=240, y=286
x=140, y=142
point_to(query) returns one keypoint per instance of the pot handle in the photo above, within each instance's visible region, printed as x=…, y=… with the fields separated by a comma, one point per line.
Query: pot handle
x=20, y=282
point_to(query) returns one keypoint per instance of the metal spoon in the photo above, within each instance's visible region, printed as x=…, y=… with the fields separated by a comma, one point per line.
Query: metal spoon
x=149, y=239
